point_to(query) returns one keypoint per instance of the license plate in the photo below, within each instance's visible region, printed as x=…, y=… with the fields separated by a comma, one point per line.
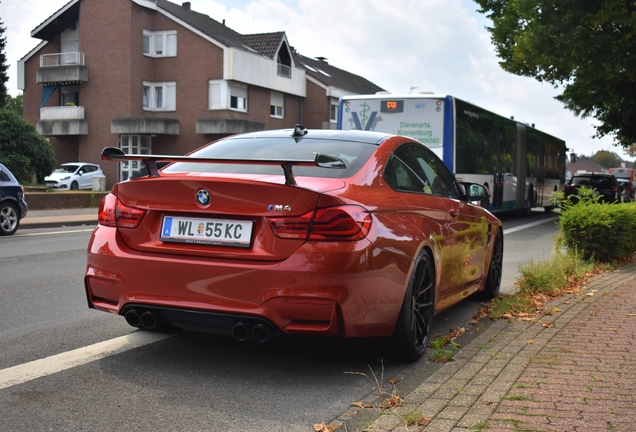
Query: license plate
x=219, y=232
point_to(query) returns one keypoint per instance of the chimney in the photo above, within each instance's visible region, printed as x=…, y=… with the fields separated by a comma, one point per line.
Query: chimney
x=186, y=5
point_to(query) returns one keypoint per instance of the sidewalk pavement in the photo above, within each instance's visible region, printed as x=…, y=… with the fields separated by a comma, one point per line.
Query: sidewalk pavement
x=573, y=370
x=63, y=217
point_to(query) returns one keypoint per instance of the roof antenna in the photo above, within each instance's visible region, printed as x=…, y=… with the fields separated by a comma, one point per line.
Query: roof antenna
x=299, y=132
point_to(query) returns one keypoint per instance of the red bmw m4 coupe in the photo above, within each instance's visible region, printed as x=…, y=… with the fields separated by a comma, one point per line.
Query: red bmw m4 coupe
x=299, y=232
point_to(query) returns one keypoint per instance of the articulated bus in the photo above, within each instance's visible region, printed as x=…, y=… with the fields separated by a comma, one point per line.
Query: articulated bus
x=520, y=165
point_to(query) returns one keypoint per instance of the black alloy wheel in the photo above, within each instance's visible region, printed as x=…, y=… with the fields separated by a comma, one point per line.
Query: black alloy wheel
x=74, y=186
x=9, y=219
x=413, y=329
x=495, y=270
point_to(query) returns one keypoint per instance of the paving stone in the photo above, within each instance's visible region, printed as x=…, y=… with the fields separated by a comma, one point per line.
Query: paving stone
x=579, y=375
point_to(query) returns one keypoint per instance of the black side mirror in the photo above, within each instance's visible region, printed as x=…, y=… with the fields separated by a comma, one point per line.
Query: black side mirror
x=475, y=192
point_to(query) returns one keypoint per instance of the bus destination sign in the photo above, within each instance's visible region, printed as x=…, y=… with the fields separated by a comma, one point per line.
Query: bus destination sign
x=391, y=106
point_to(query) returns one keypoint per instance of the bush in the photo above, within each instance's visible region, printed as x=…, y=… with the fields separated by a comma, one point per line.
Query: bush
x=23, y=150
x=600, y=231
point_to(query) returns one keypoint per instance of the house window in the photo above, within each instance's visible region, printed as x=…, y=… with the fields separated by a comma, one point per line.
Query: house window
x=238, y=96
x=133, y=144
x=284, y=61
x=161, y=43
x=226, y=95
x=333, y=111
x=277, y=105
x=159, y=96
x=70, y=95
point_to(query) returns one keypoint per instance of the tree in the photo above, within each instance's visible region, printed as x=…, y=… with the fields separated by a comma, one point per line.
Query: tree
x=14, y=104
x=588, y=48
x=4, y=77
x=24, y=151
x=607, y=159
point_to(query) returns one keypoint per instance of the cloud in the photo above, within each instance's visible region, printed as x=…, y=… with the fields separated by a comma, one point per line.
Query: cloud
x=430, y=45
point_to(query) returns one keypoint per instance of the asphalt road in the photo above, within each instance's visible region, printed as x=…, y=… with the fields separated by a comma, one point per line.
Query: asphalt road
x=187, y=381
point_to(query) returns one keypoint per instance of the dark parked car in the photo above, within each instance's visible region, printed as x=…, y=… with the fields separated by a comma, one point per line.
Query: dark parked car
x=13, y=207
x=604, y=185
x=627, y=189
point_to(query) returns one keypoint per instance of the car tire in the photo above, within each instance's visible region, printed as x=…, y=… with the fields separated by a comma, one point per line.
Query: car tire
x=74, y=186
x=413, y=329
x=9, y=219
x=495, y=270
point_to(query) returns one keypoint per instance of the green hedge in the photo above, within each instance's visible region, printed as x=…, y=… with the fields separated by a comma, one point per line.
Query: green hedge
x=599, y=231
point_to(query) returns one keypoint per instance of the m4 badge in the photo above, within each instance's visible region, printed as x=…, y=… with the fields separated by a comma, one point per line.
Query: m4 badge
x=279, y=207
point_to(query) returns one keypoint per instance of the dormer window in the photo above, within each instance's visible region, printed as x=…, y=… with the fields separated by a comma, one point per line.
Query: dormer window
x=284, y=61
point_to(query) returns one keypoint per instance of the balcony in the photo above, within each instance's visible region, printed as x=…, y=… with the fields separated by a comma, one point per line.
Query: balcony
x=62, y=68
x=144, y=125
x=284, y=70
x=227, y=126
x=61, y=121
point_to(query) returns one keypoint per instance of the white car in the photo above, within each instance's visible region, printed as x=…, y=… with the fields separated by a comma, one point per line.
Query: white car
x=73, y=176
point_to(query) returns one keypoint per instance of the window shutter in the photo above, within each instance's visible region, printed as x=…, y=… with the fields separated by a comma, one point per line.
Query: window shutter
x=277, y=99
x=214, y=95
x=171, y=44
x=171, y=96
x=239, y=91
x=159, y=45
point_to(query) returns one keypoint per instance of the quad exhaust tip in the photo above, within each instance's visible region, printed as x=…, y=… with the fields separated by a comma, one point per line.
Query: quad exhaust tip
x=146, y=320
x=132, y=318
x=241, y=332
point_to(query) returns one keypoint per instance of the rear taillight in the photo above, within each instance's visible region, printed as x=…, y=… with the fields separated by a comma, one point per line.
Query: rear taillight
x=114, y=213
x=343, y=223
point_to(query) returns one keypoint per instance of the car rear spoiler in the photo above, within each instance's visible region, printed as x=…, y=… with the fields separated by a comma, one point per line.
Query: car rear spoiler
x=320, y=160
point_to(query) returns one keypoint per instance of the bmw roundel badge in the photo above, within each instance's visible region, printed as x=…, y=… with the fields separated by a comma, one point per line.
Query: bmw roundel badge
x=203, y=197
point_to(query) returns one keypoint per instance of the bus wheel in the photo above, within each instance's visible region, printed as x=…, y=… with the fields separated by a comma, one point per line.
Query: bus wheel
x=529, y=203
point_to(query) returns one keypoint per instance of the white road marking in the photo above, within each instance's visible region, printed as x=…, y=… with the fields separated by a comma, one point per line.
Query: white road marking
x=530, y=225
x=54, y=232
x=40, y=368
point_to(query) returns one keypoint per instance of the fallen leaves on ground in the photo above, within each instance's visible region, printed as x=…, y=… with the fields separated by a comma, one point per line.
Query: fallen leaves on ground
x=322, y=427
x=361, y=405
x=393, y=402
x=423, y=421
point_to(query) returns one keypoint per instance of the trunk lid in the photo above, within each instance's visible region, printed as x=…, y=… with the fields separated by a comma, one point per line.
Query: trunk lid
x=232, y=226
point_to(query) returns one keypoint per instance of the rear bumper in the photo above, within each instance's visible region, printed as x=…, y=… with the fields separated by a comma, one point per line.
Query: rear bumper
x=322, y=289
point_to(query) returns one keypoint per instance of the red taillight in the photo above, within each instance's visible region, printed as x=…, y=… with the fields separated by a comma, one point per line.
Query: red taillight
x=292, y=227
x=114, y=213
x=343, y=223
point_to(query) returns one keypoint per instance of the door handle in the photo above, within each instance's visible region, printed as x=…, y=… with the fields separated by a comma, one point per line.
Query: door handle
x=453, y=212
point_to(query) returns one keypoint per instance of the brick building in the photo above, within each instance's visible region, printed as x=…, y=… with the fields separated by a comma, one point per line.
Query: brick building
x=151, y=76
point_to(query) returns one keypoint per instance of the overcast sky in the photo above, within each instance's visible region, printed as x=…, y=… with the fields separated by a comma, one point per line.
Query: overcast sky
x=400, y=45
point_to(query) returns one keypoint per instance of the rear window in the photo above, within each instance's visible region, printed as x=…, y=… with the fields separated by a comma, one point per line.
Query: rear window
x=353, y=154
x=592, y=182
